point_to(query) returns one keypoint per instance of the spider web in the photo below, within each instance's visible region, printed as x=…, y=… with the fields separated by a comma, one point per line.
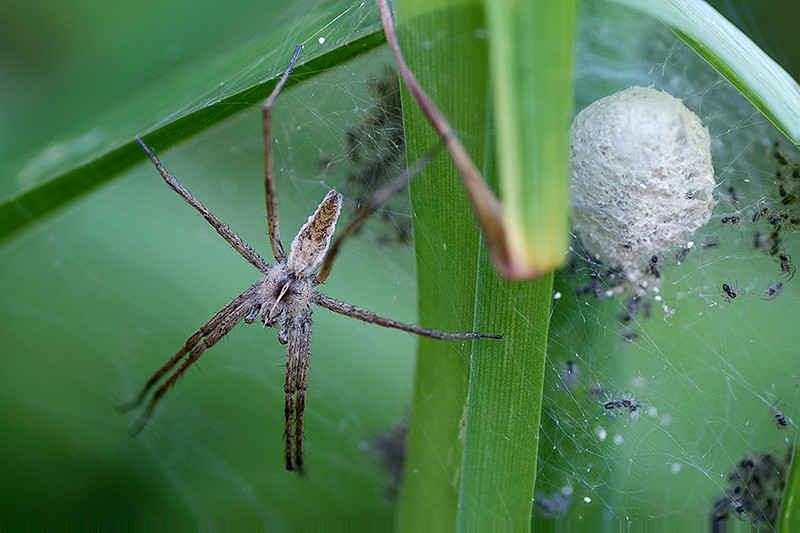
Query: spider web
x=706, y=372
x=98, y=295
x=101, y=293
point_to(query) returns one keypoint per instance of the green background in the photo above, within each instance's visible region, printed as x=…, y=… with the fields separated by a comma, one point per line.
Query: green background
x=93, y=293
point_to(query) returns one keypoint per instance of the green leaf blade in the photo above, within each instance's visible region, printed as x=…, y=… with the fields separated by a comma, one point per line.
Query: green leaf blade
x=532, y=75
x=191, y=100
x=505, y=399
x=452, y=68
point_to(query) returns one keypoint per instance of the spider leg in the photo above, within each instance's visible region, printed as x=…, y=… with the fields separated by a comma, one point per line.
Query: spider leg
x=213, y=330
x=375, y=201
x=163, y=369
x=368, y=316
x=288, y=413
x=486, y=206
x=790, y=270
x=269, y=175
x=297, y=355
x=233, y=239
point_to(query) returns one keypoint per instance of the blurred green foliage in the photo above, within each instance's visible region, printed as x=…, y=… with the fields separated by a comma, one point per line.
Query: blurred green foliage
x=97, y=294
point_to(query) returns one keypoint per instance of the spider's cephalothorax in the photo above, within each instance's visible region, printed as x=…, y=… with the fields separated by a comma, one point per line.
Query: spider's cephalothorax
x=285, y=292
x=282, y=298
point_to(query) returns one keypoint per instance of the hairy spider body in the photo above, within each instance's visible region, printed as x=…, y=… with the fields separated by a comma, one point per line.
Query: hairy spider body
x=282, y=298
x=762, y=212
x=787, y=268
x=777, y=415
x=733, y=220
x=772, y=291
x=614, y=406
x=729, y=292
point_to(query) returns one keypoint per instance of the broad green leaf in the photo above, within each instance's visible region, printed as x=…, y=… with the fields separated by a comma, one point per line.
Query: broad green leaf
x=790, y=506
x=184, y=104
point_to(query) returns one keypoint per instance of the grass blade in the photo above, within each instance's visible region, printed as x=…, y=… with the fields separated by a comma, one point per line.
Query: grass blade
x=531, y=47
x=454, y=73
x=68, y=168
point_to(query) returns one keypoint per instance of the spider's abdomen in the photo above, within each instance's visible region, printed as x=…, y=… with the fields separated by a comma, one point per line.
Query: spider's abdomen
x=309, y=247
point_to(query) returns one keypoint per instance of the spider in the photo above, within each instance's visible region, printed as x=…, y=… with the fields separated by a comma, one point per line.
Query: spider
x=613, y=406
x=729, y=292
x=629, y=403
x=733, y=219
x=772, y=291
x=762, y=212
x=777, y=415
x=652, y=267
x=779, y=219
x=787, y=267
x=282, y=298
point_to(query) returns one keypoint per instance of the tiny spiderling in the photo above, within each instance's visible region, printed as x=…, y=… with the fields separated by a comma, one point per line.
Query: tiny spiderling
x=787, y=267
x=733, y=220
x=777, y=415
x=614, y=406
x=772, y=291
x=760, y=213
x=729, y=292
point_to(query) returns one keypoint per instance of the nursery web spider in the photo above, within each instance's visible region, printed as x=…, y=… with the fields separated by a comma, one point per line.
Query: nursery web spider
x=282, y=298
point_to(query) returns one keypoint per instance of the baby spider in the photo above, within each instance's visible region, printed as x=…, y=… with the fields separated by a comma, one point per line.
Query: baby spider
x=569, y=373
x=283, y=296
x=732, y=219
x=777, y=415
x=729, y=292
x=652, y=267
x=787, y=267
x=782, y=219
x=613, y=405
x=760, y=213
x=773, y=290
x=629, y=404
